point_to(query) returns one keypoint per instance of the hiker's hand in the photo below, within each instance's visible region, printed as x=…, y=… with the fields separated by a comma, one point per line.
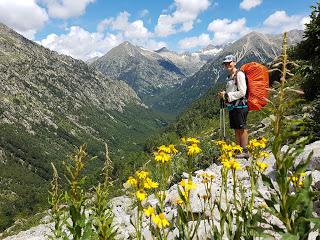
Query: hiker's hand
x=221, y=94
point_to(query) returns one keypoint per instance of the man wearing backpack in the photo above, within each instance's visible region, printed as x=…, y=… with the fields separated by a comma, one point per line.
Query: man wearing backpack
x=236, y=103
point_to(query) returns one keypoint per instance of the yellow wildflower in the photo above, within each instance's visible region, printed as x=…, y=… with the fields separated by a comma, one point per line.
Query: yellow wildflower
x=141, y=195
x=298, y=179
x=263, y=141
x=162, y=157
x=193, y=150
x=230, y=154
x=173, y=149
x=160, y=220
x=303, y=174
x=179, y=202
x=234, y=164
x=237, y=148
x=149, y=211
x=262, y=166
x=206, y=177
x=187, y=184
x=185, y=194
x=226, y=164
x=264, y=155
x=294, y=180
x=220, y=143
x=192, y=140
x=164, y=148
x=227, y=148
x=149, y=184
x=142, y=174
x=132, y=181
x=224, y=158
x=254, y=143
x=183, y=140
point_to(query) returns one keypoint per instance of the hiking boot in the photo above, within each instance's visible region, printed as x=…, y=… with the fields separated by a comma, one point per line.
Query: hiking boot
x=243, y=155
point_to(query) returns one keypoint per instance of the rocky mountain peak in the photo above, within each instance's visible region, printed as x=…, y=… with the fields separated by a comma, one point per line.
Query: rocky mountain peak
x=211, y=46
x=125, y=49
x=162, y=50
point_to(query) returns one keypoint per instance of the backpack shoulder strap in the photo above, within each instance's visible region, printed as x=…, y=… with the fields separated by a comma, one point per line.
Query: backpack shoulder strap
x=236, y=82
x=236, y=79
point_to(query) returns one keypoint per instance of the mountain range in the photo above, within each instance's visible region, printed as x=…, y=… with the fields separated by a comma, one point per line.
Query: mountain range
x=170, y=81
x=150, y=73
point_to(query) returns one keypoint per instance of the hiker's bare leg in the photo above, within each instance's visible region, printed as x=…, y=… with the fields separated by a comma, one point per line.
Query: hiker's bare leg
x=237, y=136
x=241, y=137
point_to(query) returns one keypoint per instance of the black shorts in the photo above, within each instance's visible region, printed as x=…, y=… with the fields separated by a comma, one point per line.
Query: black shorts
x=238, y=118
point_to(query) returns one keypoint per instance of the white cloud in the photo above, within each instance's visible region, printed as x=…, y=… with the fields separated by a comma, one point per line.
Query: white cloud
x=248, y=4
x=131, y=30
x=25, y=17
x=81, y=44
x=110, y=33
x=154, y=45
x=226, y=30
x=66, y=8
x=304, y=21
x=144, y=13
x=193, y=42
x=279, y=22
x=182, y=19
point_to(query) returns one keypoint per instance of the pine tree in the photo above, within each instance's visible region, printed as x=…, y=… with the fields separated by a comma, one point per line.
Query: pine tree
x=309, y=51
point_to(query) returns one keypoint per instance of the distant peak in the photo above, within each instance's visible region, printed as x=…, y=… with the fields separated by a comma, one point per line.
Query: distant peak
x=163, y=49
x=209, y=47
x=254, y=33
x=127, y=43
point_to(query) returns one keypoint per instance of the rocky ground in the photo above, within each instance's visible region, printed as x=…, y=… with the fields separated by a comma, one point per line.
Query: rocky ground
x=123, y=210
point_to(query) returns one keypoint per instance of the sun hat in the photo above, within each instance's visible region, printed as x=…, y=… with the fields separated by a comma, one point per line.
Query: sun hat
x=229, y=58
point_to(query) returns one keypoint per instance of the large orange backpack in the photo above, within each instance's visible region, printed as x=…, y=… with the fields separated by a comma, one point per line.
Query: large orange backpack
x=257, y=85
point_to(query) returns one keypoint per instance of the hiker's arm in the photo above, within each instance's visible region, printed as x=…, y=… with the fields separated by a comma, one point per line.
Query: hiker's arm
x=242, y=88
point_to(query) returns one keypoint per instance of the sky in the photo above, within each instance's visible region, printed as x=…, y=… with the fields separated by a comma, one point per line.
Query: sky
x=85, y=29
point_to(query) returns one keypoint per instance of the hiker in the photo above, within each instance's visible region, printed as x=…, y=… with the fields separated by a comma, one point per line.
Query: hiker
x=236, y=102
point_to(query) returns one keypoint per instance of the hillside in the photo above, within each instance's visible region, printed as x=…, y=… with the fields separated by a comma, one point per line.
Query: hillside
x=50, y=104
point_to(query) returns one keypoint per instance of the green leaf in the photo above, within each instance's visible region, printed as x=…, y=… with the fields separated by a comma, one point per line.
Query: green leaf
x=316, y=221
x=302, y=166
x=182, y=215
x=266, y=180
x=288, y=236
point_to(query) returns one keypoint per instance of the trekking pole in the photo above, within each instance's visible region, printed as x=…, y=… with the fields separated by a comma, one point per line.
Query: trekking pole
x=222, y=120
x=220, y=128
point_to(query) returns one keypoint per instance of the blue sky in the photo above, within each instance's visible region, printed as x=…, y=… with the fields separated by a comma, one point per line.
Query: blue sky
x=89, y=28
